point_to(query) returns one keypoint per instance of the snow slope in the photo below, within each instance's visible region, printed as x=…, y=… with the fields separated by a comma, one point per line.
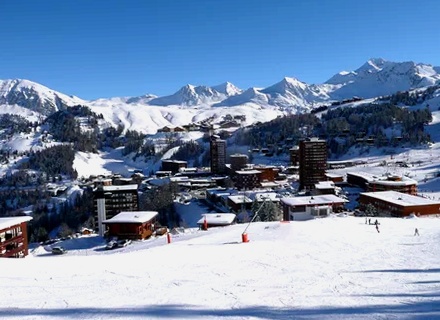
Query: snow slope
x=329, y=268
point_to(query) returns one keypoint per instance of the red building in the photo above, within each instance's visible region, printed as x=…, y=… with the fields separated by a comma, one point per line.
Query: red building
x=382, y=183
x=398, y=204
x=131, y=225
x=13, y=237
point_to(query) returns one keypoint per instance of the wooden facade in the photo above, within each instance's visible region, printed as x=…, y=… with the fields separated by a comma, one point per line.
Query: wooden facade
x=13, y=237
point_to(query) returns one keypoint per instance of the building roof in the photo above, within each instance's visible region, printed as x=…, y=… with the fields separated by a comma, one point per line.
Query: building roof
x=271, y=196
x=240, y=199
x=401, y=199
x=120, y=188
x=217, y=218
x=247, y=172
x=132, y=217
x=12, y=221
x=312, y=200
x=322, y=185
x=384, y=180
x=333, y=175
x=269, y=184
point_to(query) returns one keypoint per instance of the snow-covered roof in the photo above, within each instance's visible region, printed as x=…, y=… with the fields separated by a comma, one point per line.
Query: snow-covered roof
x=240, y=199
x=132, y=217
x=401, y=199
x=271, y=196
x=247, y=172
x=217, y=218
x=325, y=185
x=12, y=221
x=120, y=188
x=312, y=200
x=269, y=184
x=333, y=175
x=384, y=180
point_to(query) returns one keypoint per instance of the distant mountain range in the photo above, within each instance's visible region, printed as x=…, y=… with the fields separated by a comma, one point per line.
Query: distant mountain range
x=377, y=77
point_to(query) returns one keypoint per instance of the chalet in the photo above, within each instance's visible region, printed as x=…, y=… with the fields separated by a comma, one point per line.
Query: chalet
x=179, y=129
x=13, y=237
x=86, y=231
x=132, y=224
x=165, y=129
x=304, y=208
x=217, y=219
x=399, y=204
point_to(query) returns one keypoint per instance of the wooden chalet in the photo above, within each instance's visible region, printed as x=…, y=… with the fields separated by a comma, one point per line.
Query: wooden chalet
x=13, y=237
x=136, y=225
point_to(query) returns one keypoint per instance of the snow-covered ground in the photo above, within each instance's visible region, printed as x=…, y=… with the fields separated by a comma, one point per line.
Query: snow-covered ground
x=329, y=268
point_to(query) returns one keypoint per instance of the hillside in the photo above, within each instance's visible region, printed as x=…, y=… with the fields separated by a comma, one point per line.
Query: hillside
x=328, y=268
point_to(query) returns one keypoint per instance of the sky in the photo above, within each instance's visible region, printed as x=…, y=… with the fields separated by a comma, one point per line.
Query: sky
x=108, y=48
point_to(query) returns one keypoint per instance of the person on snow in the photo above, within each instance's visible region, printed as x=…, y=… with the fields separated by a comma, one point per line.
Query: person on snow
x=416, y=232
x=377, y=228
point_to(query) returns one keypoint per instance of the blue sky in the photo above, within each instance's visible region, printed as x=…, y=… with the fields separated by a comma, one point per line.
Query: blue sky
x=110, y=48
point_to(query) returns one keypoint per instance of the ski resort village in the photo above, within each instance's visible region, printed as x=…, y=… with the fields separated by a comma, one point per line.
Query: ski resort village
x=294, y=201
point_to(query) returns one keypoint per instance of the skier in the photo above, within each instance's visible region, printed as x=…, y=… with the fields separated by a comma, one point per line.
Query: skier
x=377, y=228
x=416, y=232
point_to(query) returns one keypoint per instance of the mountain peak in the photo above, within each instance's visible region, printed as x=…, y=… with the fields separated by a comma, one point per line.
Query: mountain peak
x=189, y=95
x=227, y=88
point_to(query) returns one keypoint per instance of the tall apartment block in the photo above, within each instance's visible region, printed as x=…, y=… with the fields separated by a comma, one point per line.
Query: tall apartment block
x=111, y=200
x=312, y=162
x=218, y=155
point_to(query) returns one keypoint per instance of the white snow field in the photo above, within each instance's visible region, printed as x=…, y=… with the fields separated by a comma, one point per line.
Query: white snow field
x=330, y=268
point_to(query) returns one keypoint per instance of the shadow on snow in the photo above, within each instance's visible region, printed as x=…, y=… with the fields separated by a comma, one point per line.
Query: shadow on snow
x=421, y=310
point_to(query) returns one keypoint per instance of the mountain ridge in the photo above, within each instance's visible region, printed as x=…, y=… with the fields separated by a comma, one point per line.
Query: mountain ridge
x=376, y=77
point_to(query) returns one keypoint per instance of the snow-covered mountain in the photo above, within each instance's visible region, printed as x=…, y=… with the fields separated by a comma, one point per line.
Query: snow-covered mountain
x=291, y=91
x=227, y=89
x=251, y=95
x=190, y=96
x=377, y=77
x=34, y=96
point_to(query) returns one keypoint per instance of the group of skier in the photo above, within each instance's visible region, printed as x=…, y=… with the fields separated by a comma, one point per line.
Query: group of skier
x=376, y=223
